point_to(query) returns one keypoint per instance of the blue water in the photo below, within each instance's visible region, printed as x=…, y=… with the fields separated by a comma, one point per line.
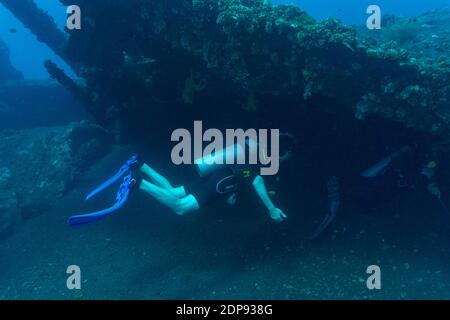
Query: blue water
x=27, y=54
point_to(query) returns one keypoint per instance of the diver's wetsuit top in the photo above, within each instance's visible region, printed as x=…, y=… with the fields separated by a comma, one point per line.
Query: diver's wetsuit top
x=223, y=182
x=219, y=183
x=245, y=173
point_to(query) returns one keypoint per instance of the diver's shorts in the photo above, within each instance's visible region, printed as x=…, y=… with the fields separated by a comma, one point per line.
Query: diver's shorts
x=213, y=187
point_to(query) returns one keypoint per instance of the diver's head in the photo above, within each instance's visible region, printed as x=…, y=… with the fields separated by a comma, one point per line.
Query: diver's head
x=286, y=146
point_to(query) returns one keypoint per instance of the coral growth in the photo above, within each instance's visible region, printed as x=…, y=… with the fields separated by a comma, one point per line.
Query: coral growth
x=250, y=47
x=194, y=84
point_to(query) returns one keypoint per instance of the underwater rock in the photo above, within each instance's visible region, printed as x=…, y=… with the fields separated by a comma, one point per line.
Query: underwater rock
x=41, y=164
x=424, y=43
x=424, y=38
x=88, y=143
x=5, y=177
x=8, y=72
x=9, y=212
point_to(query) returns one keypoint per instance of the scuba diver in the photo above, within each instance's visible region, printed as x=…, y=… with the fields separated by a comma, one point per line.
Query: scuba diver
x=398, y=173
x=216, y=181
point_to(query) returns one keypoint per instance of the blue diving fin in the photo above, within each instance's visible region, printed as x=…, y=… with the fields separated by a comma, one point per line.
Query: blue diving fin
x=90, y=218
x=122, y=171
x=121, y=197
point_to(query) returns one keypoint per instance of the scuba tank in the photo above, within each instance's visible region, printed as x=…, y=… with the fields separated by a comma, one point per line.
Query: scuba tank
x=213, y=162
x=232, y=154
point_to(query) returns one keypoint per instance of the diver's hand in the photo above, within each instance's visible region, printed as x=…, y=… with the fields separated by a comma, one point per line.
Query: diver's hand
x=434, y=190
x=277, y=215
x=232, y=199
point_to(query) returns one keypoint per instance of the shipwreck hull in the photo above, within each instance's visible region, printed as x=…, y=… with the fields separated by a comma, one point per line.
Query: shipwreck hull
x=143, y=57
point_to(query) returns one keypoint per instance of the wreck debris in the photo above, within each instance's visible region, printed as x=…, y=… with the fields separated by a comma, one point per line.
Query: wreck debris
x=76, y=89
x=59, y=75
x=248, y=48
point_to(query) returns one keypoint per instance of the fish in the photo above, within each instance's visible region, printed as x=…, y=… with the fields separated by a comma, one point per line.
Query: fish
x=379, y=167
x=12, y=30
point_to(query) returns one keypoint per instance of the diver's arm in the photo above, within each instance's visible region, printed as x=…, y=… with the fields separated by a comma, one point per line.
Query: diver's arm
x=260, y=188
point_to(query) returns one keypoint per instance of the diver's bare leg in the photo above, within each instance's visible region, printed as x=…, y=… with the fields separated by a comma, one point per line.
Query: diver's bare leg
x=162, y=182
x=162, y=195
x=155, y=177
x=167, y=198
